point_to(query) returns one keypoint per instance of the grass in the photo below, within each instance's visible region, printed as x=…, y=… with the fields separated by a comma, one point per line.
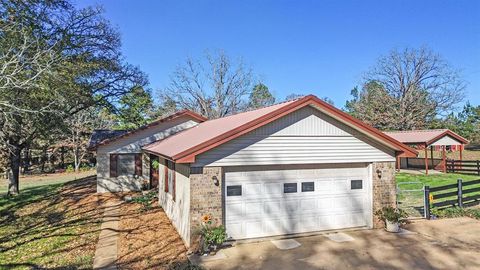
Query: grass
x=50, y=226
x=411, y=197
x=433, y=180
x=31, y=181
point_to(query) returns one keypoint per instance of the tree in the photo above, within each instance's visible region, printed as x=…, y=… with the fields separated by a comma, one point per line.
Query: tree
x=77, y=130
x=420, y=83
x=372, y=104
x=215, y=87
x=466, y=123
x=293, y=96
x=260, y=97
x=136, y=109
x=57, y=61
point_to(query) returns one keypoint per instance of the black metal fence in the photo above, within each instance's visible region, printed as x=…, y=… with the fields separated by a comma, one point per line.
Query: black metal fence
x=463, y=166
x=451, y=195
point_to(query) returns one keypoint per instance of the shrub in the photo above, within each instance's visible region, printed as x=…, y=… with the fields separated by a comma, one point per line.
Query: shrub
x=392, y=214
x=70, y=169
x=145, y=200
x=212, y=236
x=453, y=212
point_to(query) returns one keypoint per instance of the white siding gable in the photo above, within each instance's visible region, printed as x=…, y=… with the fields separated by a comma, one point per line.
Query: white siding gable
x=447, y=140
x=305, y=136
x=134, y=142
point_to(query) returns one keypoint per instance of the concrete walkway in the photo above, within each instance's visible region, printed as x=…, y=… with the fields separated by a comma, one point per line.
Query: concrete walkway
x=106, y=250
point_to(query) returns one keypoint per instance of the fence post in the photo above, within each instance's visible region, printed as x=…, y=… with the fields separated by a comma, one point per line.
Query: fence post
x=427, y=201
x=478, y=167
x=460, y=192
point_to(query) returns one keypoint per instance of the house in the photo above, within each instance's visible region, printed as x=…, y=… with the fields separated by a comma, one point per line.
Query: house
x=121, y=166
x=295, y=167
x=433, y=139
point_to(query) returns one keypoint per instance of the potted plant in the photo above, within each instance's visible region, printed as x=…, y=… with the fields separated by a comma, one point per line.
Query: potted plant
x=392, y=217
x=212, y=236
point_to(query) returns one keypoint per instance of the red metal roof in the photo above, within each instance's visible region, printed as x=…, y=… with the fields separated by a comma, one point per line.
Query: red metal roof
x=170, y=117
x=427, y=136
x=184, y=146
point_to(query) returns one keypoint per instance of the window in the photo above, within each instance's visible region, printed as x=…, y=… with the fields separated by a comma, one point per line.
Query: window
x=289, y=187
x=125, y=165
x=234, y=190
x=308, y=186
x=356, y=184
x=170, y=178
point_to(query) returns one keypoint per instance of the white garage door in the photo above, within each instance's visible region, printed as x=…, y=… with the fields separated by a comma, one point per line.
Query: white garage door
x=273, y=202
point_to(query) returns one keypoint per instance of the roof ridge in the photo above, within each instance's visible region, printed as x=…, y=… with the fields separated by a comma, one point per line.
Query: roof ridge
x=254, y=109
x=417, y=130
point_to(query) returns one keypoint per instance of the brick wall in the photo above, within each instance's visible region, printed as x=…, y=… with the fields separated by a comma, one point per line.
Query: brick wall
x=384, y=188
x=205, y=198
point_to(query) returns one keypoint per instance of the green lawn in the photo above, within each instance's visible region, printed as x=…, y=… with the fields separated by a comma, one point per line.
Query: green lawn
x=52, y=226
x=411, y=196
x=433, y=180
x=45, y=179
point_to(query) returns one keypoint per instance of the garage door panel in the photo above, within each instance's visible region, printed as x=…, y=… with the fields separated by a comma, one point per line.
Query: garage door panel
x=253, y=190
x=274, y=189
x=308, y=205
x=254, y=208
x=235, y=210
x=263, y=209
x=254, y=228
x=271, y=207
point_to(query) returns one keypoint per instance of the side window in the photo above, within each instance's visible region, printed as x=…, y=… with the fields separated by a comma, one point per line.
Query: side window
x=235, y=190
x=356, y=184
x=290, y=188
x=308, y=186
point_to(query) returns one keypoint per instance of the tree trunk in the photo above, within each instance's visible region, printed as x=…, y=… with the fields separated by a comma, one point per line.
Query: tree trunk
x=13, y=187
x=26, y=160
x=43, y=159
x=77, y=159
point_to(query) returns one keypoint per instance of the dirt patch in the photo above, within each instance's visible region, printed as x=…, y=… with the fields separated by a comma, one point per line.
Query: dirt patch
x=148, y=240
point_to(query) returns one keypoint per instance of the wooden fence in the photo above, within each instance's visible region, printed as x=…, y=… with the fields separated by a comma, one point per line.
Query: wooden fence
x=463, y=166
x=451, y=195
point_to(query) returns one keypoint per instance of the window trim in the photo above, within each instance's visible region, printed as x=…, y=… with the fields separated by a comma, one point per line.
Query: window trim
x=291, y=183
x=309, y=182
x=356, y=181
x=169, y=169
x=238, y=195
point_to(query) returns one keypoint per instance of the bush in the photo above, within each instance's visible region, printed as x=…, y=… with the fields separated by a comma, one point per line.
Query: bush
x=453, y=212
x=392, y=214
x=145, y=200
x=212, y=236
x=70, y=169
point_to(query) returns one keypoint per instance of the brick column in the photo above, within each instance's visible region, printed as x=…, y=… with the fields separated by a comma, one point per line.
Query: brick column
x=205, y=198
x=384, y=188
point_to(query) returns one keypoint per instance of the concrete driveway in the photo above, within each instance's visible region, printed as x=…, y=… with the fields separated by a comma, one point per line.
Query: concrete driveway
x=439, y=244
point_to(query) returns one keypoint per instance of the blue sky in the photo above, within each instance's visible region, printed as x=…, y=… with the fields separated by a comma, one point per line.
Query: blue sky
x=318, y=47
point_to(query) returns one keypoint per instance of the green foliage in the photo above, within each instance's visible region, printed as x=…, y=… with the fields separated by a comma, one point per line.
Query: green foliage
x=146, y=200
x=260, y=97
x=391, y=214
x=452, y=212
x=155, y=164
x=135, y=109
x=213, y=235
x=70, y=168
x=406, y=89
x=466, y=123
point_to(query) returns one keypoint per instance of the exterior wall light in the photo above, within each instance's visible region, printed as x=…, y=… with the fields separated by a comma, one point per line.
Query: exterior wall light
x=379, y=173
x=216, y=182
